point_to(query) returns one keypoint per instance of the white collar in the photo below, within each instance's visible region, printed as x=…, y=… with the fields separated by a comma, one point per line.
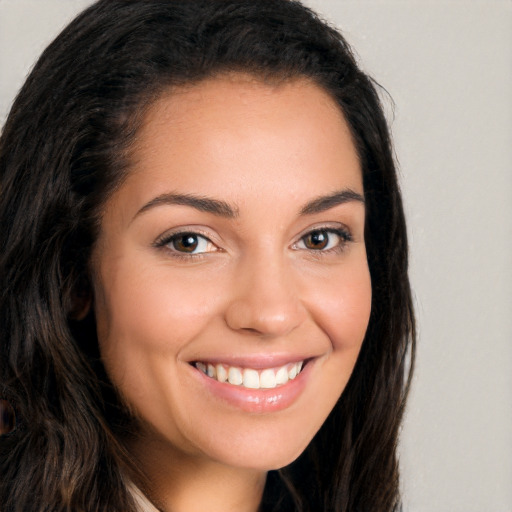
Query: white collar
x=143, y=504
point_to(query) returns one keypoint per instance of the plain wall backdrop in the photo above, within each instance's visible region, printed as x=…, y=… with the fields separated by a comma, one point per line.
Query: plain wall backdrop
x=447, y=64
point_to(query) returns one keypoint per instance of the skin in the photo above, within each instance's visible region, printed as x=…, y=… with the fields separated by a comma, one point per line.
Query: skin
x=257, y=289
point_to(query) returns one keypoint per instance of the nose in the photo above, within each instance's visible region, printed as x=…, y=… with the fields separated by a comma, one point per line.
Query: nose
x=266, y=301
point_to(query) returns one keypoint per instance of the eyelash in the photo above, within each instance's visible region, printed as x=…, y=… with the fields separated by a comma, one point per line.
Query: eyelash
x=166, y=240
x=344, y=235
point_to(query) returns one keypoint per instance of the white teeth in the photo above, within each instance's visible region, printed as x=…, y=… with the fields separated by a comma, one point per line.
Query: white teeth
x=235, y=376
x=251, y=379
x=222, y=374
x=268, y=379
x=247, y=377
x=282, y=375
x=211, y=372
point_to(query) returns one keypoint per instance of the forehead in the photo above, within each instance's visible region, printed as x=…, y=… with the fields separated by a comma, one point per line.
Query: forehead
x=235, y=135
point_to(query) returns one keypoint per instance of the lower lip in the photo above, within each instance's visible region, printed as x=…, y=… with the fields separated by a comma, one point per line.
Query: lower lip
x=257, y=400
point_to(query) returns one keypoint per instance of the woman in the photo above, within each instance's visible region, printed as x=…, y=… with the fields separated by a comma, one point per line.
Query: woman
x=205, y=303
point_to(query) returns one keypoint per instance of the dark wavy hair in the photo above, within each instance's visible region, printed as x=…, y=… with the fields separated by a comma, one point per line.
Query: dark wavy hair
x=64, y=150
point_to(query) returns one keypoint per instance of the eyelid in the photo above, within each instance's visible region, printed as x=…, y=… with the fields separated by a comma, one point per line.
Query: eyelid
x=167, y=237
x=333, y=227
x=340, y=230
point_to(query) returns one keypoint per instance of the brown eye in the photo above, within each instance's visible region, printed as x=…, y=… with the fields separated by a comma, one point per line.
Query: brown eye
x=185, y=242
x=317, y=240
x=324, y=240
x=190, y=243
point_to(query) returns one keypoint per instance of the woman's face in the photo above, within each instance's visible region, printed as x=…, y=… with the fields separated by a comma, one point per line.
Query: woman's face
x=232, y=258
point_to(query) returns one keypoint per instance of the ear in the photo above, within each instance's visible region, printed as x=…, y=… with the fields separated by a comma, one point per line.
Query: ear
x=80, y=302
x=80, y=308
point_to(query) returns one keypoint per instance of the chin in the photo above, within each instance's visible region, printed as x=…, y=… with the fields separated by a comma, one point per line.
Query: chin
x=262, y=449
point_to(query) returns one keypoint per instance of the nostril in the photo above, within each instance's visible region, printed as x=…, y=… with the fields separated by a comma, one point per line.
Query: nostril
x=250, y=330
x=7, y=418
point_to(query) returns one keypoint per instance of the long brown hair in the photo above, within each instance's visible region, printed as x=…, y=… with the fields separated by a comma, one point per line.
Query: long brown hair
x=64, y=149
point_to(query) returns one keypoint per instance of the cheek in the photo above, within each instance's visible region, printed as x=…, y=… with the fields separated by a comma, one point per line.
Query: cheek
x=146, y=315
x=342, y=308
x=143, y=310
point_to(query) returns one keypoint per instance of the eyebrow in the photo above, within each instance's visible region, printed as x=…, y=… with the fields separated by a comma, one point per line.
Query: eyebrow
x=203, y=204
x=223, y=209
x=323, y=203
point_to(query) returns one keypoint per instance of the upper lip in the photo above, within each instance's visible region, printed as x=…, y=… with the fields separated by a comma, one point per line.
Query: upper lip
x=257, y=362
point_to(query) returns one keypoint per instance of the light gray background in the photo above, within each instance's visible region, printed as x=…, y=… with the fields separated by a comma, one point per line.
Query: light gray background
x=448, y=66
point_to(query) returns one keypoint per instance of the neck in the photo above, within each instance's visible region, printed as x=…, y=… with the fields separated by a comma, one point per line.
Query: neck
x=177, y=482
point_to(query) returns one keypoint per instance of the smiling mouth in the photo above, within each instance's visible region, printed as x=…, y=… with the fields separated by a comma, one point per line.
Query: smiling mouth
x=250, y=378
